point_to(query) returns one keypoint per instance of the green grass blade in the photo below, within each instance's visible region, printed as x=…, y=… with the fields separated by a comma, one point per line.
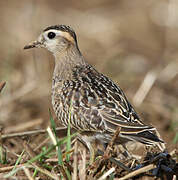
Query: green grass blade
x=68, y=174
x=3, y=154
x=59, y=152
x=68, y=148
x=52, y=147
x=68, y=145
x=53, y=124
x=15, y=169
x=35, y=172
x=39, y=156
x=11, y=173
x=18, y=160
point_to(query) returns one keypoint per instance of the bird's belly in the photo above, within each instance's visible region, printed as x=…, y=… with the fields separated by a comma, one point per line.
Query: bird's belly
x=60, y=112
x=66, y=115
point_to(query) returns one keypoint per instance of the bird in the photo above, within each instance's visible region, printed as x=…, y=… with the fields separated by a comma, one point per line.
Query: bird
x=86, y=99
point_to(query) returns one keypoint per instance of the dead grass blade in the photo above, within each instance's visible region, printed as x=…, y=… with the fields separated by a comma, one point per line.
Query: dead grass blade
x=82, y=165
x=24, y=126
x=9, y=168
x=2, y=85
x=46, y=172
x=104, y=176
x=27, y=173
x=145, y=87
x=29, y=133
x=139, y=171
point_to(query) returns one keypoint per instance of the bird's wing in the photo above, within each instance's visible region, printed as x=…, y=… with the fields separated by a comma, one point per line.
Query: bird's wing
x=102, y=99
x=102, y=106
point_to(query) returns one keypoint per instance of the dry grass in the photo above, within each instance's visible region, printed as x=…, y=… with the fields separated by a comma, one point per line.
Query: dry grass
x=133, y=42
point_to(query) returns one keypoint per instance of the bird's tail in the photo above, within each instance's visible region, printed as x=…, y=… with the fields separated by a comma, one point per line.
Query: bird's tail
x=146, y=137
x=136, y=132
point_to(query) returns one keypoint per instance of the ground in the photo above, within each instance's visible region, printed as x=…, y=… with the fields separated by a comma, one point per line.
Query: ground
x=133, y=42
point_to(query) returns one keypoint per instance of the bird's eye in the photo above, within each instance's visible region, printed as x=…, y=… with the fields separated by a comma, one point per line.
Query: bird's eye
x=51, y=35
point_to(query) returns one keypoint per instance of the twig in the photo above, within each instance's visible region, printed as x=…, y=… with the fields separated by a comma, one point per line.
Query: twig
x=29, y=150
x=42, y=144
x=32, y=154
x=107, y=156
x=111, y=143
x=63, y=172
x=2, y=84
x=23, y=126
x=82, y=170
x=27, y=172
x=107, y=174
x=113, y=160
x=109, y=149
x=139, y=171
x=145, y=87
x=29, y=133
x=46, y=172
x=9, y=168
x=116, y=134
x=100, y=163
x=51, y=160
x=169, y=72
x=69, y=167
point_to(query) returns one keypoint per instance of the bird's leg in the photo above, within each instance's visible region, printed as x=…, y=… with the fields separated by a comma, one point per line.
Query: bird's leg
x=92, y=152
x=86, y=141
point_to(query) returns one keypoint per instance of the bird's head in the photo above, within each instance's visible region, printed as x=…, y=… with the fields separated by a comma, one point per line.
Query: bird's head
x=55, y=38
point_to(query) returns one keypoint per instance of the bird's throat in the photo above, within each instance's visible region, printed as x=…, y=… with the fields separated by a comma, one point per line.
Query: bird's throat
x=66, y=61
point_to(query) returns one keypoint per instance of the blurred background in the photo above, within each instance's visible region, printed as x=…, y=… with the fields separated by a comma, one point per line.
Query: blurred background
x=133, y=42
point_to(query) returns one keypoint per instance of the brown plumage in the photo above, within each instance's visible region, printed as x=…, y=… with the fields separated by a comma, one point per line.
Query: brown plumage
x=91, y=101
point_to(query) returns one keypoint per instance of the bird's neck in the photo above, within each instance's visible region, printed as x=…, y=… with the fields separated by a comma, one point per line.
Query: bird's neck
x=66, y=61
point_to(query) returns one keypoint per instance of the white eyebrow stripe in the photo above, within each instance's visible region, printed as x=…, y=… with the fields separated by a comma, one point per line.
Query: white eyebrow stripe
x=63, y=34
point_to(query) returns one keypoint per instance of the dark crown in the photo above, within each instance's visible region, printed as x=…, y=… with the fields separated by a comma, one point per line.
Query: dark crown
x=63, y=28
